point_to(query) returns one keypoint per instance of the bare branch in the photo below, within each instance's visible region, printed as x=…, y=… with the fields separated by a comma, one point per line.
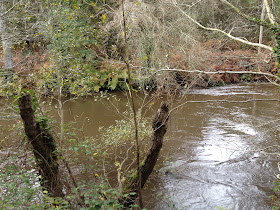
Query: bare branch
x=221, y=31
x=11, y=8
x=238, y=11
x=222, y=72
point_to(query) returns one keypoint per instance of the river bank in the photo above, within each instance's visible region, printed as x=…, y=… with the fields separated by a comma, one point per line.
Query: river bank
x=209, y=67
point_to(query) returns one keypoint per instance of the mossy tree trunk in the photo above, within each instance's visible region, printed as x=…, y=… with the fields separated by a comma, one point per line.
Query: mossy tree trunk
x=43, y=145
x=147, y=166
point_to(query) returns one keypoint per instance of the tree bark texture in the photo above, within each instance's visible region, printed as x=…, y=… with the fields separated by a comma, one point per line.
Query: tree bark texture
x=44, y=147
x=159, y=130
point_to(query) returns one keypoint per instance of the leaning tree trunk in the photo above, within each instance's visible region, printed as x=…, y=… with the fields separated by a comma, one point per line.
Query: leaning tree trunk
x=147, y=166
x=44, y=147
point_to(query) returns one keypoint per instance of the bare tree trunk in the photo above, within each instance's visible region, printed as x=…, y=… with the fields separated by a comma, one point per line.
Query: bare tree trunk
x=6, y=45
x=269, y=13
x=147, y=166
x=60, y=104
x=44, y=147
x=261, y=27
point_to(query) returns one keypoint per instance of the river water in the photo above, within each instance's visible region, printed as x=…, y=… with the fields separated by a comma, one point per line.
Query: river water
x=217, y=151
x=214, y=150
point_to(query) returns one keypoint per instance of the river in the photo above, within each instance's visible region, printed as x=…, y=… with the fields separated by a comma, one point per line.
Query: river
x=214, y=150
x=217, y=150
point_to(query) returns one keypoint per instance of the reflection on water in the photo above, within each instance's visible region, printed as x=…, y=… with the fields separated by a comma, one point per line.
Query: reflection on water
x=219, y=163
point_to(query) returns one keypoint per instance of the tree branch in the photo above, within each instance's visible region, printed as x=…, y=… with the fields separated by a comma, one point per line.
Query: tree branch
x=223, y=32
x=252, y=19
x=11, y=8
x=222, y=72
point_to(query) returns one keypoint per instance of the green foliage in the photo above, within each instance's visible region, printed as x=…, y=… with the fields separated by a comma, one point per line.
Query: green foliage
x=276, y=31
x=118, y=142
x=100, y=195
x=110, y=77
x=213, y=83
x=73, y=36
x=8, y=86
x=43, y=122
x=122, y=133
x=245, y=77
x=22, y=20
x=18, y=188
x=275, y=196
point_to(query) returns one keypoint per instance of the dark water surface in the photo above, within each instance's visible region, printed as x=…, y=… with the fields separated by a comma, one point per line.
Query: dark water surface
x=213, y=155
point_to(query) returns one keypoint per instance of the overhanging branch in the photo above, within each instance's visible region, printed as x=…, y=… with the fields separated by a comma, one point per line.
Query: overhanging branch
x=222, y=72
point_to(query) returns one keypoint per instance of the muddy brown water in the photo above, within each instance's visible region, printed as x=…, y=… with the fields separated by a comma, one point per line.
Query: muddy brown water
x=214, y=151
x=214, y=154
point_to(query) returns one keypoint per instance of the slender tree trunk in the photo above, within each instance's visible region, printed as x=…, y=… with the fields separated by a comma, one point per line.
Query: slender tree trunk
x=6, y=45
x=138, y=184
x=60, y=104
x=261, y=27
x=159, y=130
x=44, y=147
x=269, y=13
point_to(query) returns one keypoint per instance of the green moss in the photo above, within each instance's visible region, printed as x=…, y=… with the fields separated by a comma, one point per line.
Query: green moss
x=134, y=176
